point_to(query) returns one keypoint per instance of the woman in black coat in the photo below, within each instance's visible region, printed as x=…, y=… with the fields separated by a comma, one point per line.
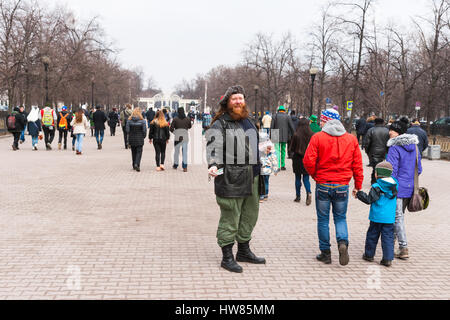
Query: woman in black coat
x=298, y=146
x=159, y=136
x=137, y=130
x=113, y=120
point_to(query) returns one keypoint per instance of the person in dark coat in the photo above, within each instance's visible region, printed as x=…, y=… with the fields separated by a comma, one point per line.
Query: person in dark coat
x=159, y=135
x=298, y=146
x=420, y=133
x=113, y=120
x=63, y=125
x=150, y=115
x=295, y=121
x=99, y=118
x=25, y=115
x=19, y=127
x=180, y=126
x=281, y=124
x=236, y=182
x=361, y=129
x=137, y=131
x=375, y=144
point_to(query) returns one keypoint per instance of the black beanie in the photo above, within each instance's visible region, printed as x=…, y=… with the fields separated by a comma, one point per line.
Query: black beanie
x=232, y=90
x=399, y=126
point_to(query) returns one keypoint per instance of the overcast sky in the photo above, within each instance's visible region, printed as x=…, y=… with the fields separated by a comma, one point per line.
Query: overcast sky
x=174, y=40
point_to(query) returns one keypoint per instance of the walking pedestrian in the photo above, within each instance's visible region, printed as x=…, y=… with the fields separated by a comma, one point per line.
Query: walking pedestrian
x=382, y=199
x=159, y=135
x=315, y=127
x=99, y=123
x=298, y=146
x=113, y=120
x=180, y=128
x=375, y=144
x=137, y=131
x=91, y=121
x=124, y=116
x=266, y=122
x=150, y=115
x=361, y=130
x=34, y=126
x=25, y=116
x=16, y=124
x=72, y=135
x=269, y=163
x=282, y=123
x=332, y=159
x=403, y=150
x=80, y=124
x=206, y=121
x=63, y=125
x=48, y=119
x=420, y=133
x=236, y=173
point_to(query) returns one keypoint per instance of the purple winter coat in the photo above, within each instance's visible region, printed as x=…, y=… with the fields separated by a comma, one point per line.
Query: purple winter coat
x=402, y=156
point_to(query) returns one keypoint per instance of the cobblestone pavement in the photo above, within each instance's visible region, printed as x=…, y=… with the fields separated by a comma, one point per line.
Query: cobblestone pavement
x=90, y=227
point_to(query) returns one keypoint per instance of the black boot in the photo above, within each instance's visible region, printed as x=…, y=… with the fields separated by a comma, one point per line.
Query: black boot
x=228, y=262
x=343, y=253
x=244, y=254
x=325, y=257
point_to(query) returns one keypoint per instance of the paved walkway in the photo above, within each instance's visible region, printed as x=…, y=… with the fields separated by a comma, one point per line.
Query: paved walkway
x=90, y=227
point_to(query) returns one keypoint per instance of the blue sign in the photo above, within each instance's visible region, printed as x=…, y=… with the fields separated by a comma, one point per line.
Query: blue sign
x=328, y=100
x=382, y=93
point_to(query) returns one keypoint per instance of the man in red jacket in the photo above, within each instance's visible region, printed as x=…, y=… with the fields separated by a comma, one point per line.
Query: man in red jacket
x=333, y=157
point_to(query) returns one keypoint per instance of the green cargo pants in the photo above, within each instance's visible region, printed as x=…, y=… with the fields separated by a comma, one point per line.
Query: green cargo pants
x=280, y=150
x=238, y=217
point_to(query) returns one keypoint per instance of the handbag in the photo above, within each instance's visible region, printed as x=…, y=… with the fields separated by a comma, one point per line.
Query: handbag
x=420, y=199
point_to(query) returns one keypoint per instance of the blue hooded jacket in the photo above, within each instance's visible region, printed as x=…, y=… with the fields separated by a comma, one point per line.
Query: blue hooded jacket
x=383, y=200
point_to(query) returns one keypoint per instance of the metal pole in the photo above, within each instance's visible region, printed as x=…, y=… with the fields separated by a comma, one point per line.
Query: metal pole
x=313, y=77
x=46, y=84
x=93, y=101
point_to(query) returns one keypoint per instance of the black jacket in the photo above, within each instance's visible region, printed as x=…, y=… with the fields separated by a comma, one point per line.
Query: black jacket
x=375, y=144
x=361, y=126
x=283, y=122
x=99, y=118
x=137, y=130
x=20, y=121
x=113, y=119
x=158, y=133
x=241, y=164
x=422, y=135
x=150, y=115
x=179, y=127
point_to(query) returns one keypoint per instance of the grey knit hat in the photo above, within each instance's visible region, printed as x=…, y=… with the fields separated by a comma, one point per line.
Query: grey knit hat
x=231, y=90
x=384, y=169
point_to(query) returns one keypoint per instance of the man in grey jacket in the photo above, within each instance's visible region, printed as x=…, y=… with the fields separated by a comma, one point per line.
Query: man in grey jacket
x=282, y=129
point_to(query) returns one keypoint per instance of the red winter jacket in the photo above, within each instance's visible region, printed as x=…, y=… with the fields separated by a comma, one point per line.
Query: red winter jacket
x=334, y=157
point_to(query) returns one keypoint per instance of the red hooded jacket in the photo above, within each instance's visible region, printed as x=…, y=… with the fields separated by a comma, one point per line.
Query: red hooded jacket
x=333, y=156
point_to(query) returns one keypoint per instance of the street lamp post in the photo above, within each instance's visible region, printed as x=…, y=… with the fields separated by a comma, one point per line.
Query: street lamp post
x=92, y=90
x=256, y=100
x=313, y=72
x=46, y=61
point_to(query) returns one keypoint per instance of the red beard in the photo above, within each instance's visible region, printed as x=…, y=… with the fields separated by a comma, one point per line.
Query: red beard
x=238, y=113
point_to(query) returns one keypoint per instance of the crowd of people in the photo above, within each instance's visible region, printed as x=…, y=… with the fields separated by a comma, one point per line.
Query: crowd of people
x=320, y=149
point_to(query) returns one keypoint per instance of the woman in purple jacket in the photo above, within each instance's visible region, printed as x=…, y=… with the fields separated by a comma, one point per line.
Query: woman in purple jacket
x=402, y=156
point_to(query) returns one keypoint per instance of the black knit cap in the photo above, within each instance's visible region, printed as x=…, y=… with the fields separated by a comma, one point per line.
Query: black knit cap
x=400, y=126
x=231, y=90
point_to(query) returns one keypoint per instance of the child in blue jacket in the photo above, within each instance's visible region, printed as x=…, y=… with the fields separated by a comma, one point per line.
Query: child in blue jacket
x=382, y=199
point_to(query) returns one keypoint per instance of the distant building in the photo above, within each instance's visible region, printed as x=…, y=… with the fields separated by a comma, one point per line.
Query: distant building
x=171, y=102
x=4, y=103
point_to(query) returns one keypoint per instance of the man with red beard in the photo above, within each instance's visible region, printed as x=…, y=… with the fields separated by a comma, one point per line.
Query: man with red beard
x=233, y=159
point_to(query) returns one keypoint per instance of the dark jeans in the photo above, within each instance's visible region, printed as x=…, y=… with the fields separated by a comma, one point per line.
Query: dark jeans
x=16, y=136
x=386, y=231
x=63, y=134
x=136, y=155
x=125, y=136
x=113, y=130
x=160, y=149
x=298, y=184
x=99, y=134
x=359, y=136
x=49, y=135
x=266, y=187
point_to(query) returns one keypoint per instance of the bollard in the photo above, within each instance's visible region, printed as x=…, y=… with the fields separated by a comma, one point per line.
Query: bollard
x=434, y=152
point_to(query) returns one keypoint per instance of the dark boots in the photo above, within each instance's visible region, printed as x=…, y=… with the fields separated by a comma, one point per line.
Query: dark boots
x=228, y=262
x=325, y=257
x=343, y=253
x=244, y=254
